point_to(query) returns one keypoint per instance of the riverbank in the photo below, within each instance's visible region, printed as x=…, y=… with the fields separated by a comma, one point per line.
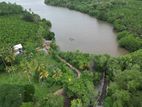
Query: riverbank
x=75, y=30
x=124, y=15
x=45, y=73
x=119, y=73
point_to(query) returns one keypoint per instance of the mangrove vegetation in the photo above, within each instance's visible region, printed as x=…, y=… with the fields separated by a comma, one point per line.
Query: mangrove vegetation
x=44, y=76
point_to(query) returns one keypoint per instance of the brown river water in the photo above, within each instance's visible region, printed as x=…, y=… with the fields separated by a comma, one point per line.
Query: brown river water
x=75, y=30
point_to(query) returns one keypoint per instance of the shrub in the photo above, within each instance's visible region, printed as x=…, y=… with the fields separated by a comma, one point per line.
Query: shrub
x=11, y=95
x=49, y=36
x=27, y=105
x=76, y=103
x=29, y=91
x=122, y=34
x=2, y=66
x=52, y=101
x=6, y=9
x=31, y=17
x=48, y=23
x=131, y=43
x=14, y=95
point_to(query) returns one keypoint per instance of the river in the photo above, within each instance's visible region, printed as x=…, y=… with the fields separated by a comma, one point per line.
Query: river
x=75, y=30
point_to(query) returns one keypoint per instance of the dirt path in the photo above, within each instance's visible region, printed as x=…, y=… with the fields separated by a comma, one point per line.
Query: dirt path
x=78, y=72
x=101, y=88
x=61, y=91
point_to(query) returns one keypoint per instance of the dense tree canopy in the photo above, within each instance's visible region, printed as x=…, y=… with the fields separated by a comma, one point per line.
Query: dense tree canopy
x=125, y=74
x=47, y=75
x=7, y=9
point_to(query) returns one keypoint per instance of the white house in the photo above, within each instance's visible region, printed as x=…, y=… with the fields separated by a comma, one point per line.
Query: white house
x=18, y=49
x=47, y=44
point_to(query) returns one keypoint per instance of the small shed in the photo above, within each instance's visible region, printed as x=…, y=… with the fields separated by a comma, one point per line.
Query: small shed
x=18, y=49
x=47, y=44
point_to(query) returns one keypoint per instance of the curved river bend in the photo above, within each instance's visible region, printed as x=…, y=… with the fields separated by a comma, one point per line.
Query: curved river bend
x=75, y=30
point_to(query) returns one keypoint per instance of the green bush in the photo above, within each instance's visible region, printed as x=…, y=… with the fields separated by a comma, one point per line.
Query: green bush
x=131, y=43
x=79, y=60
x=52, y=101
x=11, y=95
x=81, y=88
x=76, y=103
x=49, y=36
x=48, y=23
x=122, y=34
x=31, y=17
x=6, y=9
x=100, y=62
x=27, y=105
x=125, y=78
x=14, y=95
x=29, y=91
x=2, y=66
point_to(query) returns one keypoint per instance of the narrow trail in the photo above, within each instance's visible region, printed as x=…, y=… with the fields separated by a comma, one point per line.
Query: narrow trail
x=78, y=72
x=46, y=46
x=101, y=89
x=61, y=91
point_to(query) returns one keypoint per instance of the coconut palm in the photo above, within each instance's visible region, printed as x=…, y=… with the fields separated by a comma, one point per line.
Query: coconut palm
x=35, y=70
x=9, y=59
x=57, y=74
x=43, y=75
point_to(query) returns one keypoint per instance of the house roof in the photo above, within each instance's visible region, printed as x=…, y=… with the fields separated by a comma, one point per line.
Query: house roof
x=18, y=46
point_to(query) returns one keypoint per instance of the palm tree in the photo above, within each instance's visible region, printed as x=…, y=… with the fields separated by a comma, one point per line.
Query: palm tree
x=29, y=68
x=43, y=75
x=9, y=59
x=57, y=74
x=35, y=70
